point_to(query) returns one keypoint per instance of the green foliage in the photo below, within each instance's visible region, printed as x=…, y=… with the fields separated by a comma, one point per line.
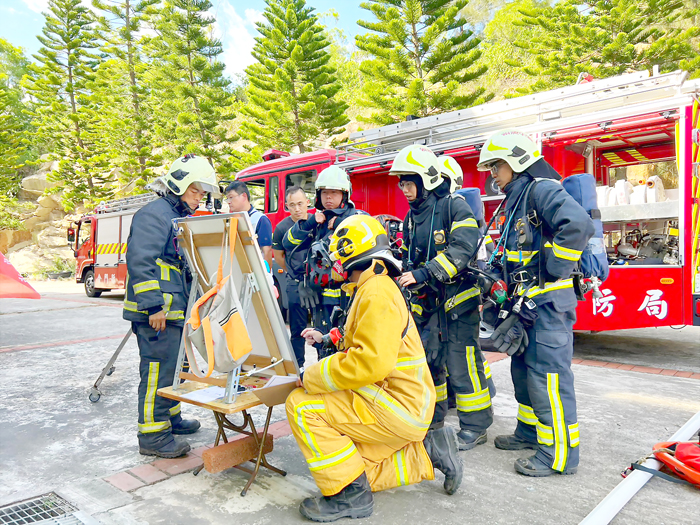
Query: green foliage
x=14, y=121
x=608, y=37
x=10, y=211
x=121, y=90
x=64, y=115
x=293, y=87
x=196, y=104
x=422, y=52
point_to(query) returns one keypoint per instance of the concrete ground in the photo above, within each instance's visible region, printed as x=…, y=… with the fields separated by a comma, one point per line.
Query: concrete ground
x=53, y=439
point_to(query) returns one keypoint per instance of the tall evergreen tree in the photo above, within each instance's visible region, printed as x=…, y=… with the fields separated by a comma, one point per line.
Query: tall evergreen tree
x=292, y=88
x=422, y=53
x=197, y=105
x=63, y=117
x=608, y=37
x=122, y=93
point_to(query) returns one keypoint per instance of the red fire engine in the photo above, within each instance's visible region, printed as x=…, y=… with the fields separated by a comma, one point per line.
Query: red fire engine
x=637, y=133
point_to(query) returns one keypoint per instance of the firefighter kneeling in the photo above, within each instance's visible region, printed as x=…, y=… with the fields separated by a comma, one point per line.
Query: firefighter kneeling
x=364, y=411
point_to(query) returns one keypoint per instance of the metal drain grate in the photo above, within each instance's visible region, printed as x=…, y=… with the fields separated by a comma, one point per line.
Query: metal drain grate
x=48, y=508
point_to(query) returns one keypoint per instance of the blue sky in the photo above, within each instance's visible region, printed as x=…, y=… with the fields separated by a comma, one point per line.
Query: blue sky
x=21, y=21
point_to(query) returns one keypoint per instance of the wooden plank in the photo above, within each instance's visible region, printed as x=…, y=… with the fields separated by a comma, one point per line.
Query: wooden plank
x=216, y=381
x=207, y=239
x=263, y=361
x=264, y=320
x=245, y=401
x=203, y=276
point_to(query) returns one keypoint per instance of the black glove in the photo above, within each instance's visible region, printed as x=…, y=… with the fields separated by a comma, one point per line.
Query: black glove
x=436, y=355
x=510, y=337
x=308, y=298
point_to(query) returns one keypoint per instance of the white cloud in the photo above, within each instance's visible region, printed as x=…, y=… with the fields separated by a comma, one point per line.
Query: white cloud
x=237, y=35
x=37, y=5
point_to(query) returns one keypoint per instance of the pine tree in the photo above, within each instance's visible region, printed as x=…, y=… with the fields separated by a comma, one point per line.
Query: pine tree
x=197, y=105
x=292, y=92
x=63, y=116
x=422, y=53
x=608, y=37
x=121, y=92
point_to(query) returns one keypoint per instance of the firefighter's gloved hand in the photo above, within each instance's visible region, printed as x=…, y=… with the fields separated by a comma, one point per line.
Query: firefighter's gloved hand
x=510, y=337
x=436, y=356
x=308, y=298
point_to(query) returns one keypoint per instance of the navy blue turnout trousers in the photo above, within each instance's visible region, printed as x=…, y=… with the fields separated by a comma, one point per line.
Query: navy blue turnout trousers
x=544, y=388
x=158, y=352
x=298, y=318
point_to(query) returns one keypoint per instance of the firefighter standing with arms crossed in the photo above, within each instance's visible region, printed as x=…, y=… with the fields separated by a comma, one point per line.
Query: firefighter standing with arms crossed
x=440, y=238
x=543, y=236
x=364, y=410
x=317, y=292
x=157, y=291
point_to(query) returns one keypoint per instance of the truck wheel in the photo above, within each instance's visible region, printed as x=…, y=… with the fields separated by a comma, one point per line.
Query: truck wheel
x=90, y=284
x=491, y=187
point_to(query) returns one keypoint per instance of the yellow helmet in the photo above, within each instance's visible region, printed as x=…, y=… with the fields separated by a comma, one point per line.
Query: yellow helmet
x=358, y=239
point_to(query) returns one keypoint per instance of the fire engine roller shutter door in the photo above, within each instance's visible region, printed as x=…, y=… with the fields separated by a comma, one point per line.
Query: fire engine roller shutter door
x=106, y=252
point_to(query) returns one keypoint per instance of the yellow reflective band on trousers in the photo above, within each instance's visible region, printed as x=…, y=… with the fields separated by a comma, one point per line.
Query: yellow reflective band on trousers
x=443, y=261
x=487, y=369
x=291, y=238
x=526, y=415
x=466, y=223
x=375, y=394
x=332, y=459
x=174, y=411
x=149, y=425
x=400, y=466
x=146, y=286
x=565, y=253
x=545, y=434
x=558, y=423
x=333, y=293
x=550, y=287
x=441, y=392
x=461, y=297
x=473, y=402
x=326, y=373
x=573, y=435
x=301, y=410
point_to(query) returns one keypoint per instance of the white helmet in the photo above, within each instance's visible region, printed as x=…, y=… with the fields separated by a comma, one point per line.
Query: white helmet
x=418, y=160
x=192, y=169
x=332, y=178
x=452, y=170
x=512, y=146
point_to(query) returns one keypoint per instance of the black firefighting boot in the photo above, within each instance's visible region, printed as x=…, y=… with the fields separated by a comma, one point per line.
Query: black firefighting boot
x=354, y=501
x=441, y=446
x=162, y=445
x=468, y=439
x=513, y=442
x=533, y=466
x=184, y=426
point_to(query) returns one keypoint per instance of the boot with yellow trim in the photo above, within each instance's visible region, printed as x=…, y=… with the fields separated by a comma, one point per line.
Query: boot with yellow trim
x=536, y=468
x=354, y=501
x=441, y=446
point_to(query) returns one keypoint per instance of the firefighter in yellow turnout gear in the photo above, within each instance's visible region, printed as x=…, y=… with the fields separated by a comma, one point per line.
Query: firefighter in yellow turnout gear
x=364, y=411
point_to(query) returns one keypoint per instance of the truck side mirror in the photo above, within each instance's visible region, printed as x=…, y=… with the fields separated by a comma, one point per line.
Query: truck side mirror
x=71, y=235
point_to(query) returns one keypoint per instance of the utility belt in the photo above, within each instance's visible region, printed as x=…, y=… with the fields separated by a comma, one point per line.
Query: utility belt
x=526, y=281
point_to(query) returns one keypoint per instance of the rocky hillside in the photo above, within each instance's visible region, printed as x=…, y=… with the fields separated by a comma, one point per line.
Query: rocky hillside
x=42, y=246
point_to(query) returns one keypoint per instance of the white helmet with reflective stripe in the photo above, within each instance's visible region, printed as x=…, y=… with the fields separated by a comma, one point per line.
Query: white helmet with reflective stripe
x=452, y=170
x=192, y=169
x=512, y=146
x=332, y=178
x=418, y=160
